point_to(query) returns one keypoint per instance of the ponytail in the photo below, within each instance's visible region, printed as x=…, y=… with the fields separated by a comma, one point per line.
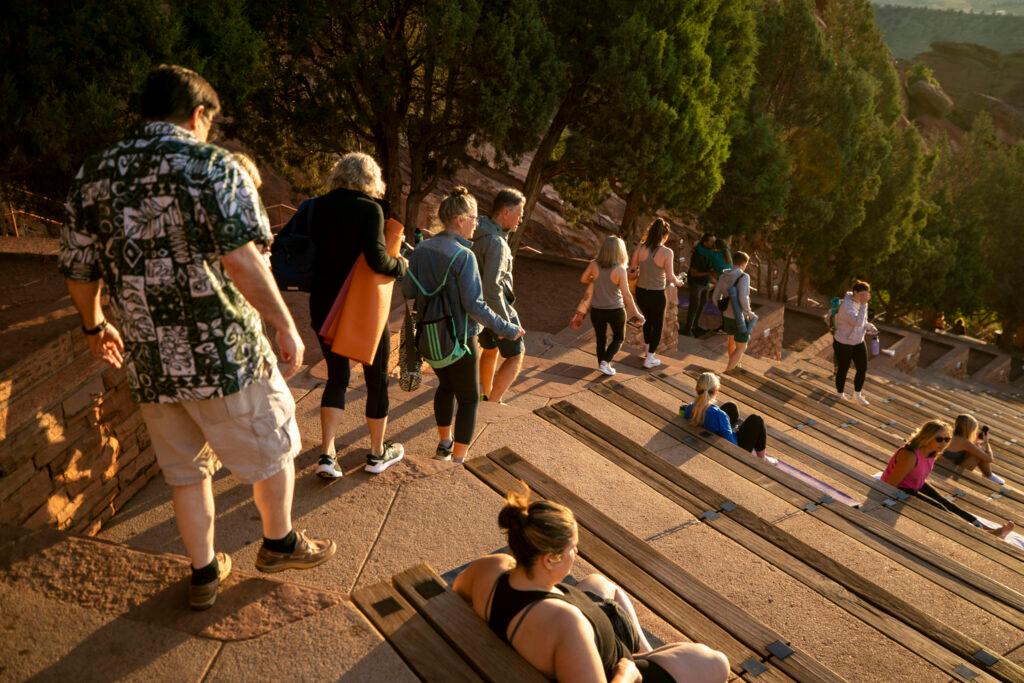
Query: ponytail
x=707, y=387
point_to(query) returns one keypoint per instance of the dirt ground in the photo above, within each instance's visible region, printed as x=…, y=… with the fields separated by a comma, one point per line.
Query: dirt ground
x=546, y=294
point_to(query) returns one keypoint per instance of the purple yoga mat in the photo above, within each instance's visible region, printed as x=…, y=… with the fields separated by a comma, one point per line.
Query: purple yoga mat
x=817, y=483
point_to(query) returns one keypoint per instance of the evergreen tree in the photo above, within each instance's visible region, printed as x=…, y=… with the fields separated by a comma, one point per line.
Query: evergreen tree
x=426, y=77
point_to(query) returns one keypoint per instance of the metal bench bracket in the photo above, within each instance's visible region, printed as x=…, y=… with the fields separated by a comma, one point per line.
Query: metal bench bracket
x=780, y=649
x=429, y=589
x=889, y=503
x=753, y=667
x=387, y=606
x=728, y=506
x=965, y=672
x=985, y=658
x=709, y=515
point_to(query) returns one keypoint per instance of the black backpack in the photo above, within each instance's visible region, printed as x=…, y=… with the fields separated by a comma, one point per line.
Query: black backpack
x=292, y=253
x=726, y=301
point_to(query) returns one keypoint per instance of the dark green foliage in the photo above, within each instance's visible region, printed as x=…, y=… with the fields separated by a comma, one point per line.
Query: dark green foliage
x=909, y=31
x=72, y=70
x=428, y=77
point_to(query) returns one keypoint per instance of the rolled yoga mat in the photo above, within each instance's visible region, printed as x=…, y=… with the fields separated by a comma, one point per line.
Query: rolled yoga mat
x=360, y=312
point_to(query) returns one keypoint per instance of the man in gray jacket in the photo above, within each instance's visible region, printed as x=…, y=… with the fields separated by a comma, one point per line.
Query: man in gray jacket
x=494, y=256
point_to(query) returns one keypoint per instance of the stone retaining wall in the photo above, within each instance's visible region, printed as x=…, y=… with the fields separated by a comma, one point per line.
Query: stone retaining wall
x=73, y=447
x=766, y=341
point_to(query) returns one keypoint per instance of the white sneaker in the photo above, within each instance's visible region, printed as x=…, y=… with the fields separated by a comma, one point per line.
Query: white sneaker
x=327, y=468
x=651, y=361
x=860, y=397
x=605, y=368
x=996, y=478
x=843, y=396
x=393, y=452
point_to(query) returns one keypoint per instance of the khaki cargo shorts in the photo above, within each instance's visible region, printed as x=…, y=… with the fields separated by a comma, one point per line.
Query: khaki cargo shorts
x=253, y=432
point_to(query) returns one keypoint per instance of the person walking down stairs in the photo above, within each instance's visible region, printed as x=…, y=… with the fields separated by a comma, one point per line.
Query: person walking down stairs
x=609, y=300
x=653, y=264
x=848, y=340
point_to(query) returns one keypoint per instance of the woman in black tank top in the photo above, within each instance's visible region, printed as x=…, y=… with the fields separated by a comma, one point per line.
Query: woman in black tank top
x=523, y=599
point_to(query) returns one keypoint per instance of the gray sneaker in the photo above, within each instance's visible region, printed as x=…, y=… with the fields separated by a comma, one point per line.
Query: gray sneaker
x=393, y=452
x=443, y=453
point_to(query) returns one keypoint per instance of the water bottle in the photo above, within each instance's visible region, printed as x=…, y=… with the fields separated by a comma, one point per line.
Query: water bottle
x=876, y=346
x=417, y=236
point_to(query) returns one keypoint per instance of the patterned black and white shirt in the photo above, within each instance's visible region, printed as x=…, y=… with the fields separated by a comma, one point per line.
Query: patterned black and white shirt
x=152, y=216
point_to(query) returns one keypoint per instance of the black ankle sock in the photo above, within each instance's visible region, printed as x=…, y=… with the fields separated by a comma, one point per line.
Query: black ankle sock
x=206, y=574
x=281, y=545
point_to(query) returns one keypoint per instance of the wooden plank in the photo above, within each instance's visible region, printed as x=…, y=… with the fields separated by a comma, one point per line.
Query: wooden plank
x=752, y=633
x=421, y=647
x=928, y=515
x=997, y=599
x=933, y=640
x=462, y=628
x=977, y=482
x=642, y=586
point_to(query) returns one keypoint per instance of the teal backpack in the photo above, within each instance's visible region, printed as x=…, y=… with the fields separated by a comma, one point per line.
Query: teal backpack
x=830, y=317
x=436, y=337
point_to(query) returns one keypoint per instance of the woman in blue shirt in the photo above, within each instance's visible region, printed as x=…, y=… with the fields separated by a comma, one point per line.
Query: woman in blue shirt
x=751, y=435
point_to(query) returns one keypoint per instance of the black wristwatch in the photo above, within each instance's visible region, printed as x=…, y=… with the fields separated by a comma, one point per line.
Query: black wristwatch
x=93, y=331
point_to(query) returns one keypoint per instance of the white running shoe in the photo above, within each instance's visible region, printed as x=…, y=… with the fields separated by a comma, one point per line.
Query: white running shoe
x=393, y=452
x=605, y=368
x=996, y=478
x=861, y=399
x=843, y=396
x=328, y=468
x=651, y=361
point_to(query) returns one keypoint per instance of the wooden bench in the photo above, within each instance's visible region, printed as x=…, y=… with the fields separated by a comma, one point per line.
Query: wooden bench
x=947, y=649
x=855, y=439
x=901, y=418
x=756, y=392
x=755, y=652
x=437, y=633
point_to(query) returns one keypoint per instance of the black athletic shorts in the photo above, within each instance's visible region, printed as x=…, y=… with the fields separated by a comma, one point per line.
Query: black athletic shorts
x=508, y=348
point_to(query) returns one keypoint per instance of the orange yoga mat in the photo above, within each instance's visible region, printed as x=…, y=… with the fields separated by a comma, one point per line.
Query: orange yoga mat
x=365, y=306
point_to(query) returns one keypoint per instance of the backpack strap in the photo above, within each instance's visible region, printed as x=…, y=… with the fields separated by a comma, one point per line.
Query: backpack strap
x=444, y=280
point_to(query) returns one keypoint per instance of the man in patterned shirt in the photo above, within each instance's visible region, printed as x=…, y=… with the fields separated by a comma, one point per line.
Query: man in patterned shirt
x=170, y=225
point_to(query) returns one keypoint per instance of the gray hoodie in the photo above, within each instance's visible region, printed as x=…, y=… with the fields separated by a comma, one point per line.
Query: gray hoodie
x=734, y=276
x=494, y=257
x=852, y=322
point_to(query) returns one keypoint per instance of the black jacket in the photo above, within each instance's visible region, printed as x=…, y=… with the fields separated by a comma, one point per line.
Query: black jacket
x=346, y=223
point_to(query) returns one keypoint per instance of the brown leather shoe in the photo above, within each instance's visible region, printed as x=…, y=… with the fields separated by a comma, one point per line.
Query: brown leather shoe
x=204, y=595
x=308, y=553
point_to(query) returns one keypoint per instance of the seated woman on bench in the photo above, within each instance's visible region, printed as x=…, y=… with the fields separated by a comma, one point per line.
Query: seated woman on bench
x=751, y=435
x=969, y=449
x=588, y=632
x=911, y=464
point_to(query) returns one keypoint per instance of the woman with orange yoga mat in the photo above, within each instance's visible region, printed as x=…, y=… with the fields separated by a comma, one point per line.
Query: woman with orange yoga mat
x=345, y=223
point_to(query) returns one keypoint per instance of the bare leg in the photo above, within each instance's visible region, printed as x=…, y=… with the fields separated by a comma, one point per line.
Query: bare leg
x=273, y=498
x=601, y=585
x=692, y=662
x=507, y=374
x=735, y=354
x=970, y=463
x=444, y=433
x=488, y=361
x=459, y=451
x=330, y=420
x=377, y=426
x=194, y=513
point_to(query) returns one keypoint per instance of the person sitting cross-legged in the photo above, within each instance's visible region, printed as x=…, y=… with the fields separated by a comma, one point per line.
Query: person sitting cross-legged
x=970, y=448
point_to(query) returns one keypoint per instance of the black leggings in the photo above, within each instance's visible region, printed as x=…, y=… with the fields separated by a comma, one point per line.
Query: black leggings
x=928, y=494
x=698, y=300
x=376, y=375
x=651, y=303
x=459, y=382
x=602, y=317
x=752, y=434
x=858, y=353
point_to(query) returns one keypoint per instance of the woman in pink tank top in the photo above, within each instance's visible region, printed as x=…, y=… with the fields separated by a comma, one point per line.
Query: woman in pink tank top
x=910, y=465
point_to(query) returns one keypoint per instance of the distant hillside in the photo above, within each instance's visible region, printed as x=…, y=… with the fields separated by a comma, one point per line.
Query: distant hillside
x=984, y=6
x=910, y=31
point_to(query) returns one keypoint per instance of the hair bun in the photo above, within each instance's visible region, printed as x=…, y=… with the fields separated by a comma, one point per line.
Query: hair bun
x=458, y=191
x=516, y=512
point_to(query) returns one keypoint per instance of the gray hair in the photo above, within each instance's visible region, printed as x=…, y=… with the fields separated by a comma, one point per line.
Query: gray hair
x=357, y=171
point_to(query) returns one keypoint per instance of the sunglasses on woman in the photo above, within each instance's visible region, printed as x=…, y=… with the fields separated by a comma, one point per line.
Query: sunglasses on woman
x=943, y=439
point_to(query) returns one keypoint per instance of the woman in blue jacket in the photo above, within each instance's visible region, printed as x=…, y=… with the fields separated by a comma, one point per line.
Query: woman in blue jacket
x=751, y=435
